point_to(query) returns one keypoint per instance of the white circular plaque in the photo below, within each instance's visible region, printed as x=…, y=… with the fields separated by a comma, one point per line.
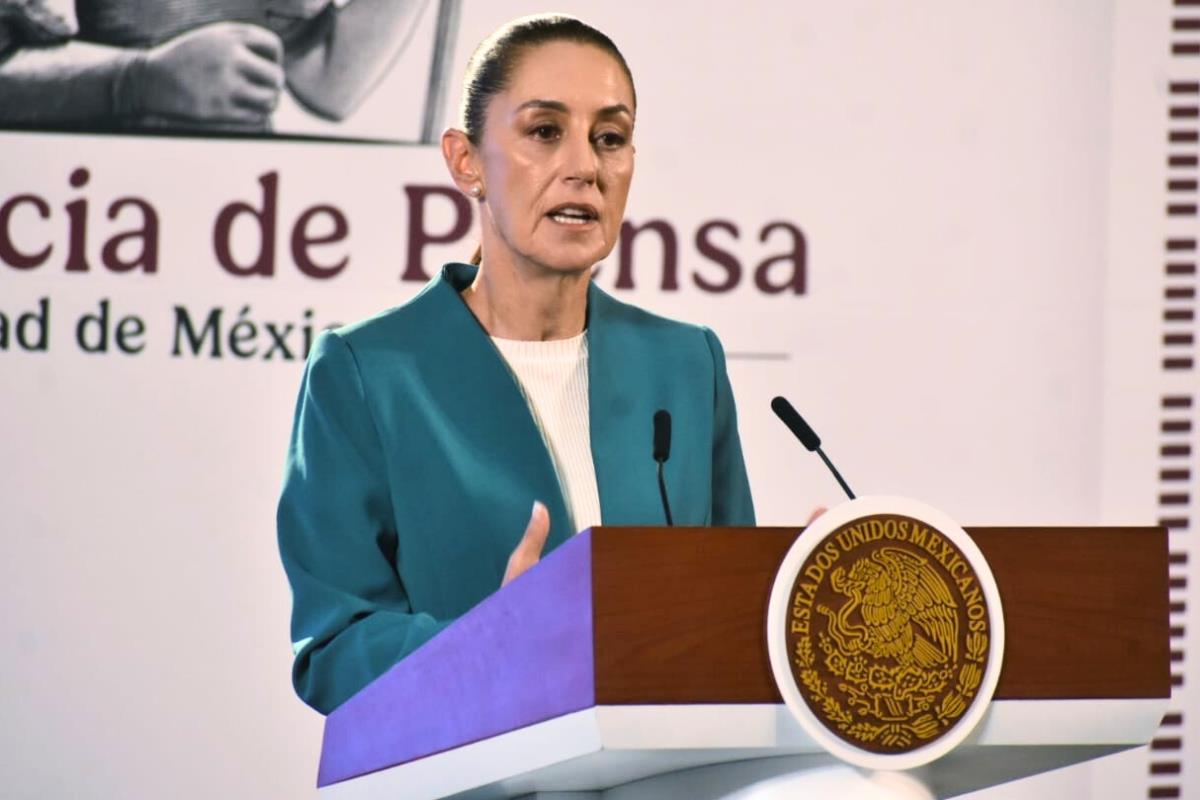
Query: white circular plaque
x=885, y=632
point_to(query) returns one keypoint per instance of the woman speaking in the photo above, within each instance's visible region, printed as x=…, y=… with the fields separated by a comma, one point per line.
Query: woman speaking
x=441, y=448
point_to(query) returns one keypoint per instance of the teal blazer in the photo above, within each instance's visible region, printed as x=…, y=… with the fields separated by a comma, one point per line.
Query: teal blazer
x=414, y=462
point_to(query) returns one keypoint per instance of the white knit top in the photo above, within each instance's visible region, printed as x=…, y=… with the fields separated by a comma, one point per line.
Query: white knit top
x=553, y=376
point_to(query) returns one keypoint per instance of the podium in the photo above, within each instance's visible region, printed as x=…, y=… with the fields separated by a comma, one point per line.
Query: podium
x=632, y=662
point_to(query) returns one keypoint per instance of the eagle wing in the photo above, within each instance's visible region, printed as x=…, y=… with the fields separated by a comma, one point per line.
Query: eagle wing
x=890, y=633
x=924, y=598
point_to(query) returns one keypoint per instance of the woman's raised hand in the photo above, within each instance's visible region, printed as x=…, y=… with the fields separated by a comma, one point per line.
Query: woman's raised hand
x=529, y=550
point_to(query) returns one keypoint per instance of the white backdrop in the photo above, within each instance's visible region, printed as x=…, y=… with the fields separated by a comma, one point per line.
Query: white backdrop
x=949, y=165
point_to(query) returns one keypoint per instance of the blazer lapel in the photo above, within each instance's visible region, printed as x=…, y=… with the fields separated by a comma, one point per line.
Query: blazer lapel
x=491, y=400
x=619, y=399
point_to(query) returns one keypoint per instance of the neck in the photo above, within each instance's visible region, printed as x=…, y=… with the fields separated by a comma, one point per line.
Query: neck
x=530, y=303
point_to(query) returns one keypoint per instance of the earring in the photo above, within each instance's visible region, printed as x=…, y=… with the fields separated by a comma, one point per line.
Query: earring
x=475, y=190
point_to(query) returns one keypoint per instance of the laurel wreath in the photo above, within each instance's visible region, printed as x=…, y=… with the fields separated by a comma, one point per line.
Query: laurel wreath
x=896, y=734
x=812, y=681
x=955, y=703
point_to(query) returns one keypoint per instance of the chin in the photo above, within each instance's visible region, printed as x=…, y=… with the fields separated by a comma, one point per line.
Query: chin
x=570, y=259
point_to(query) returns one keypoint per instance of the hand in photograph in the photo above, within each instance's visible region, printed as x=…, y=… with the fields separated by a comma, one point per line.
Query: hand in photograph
x=198, y=65
x=227, y=71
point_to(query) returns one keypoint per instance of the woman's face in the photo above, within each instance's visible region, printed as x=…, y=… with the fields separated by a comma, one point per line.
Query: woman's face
x=557, y=157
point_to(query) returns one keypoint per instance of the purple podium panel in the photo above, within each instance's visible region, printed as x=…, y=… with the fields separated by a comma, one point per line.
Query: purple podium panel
x=520, y=657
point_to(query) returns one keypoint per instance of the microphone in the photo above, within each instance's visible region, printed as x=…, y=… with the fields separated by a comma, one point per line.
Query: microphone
x=662, y=451
x=807, y=436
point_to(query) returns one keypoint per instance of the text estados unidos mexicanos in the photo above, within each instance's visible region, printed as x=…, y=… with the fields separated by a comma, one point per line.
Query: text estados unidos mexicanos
x=901, y=529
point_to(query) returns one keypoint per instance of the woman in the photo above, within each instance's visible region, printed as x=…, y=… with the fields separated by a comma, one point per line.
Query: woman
x=424, y=434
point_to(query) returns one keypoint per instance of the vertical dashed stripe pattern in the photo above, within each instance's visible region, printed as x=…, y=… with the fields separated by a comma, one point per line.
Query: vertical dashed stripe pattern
x=1177, y=390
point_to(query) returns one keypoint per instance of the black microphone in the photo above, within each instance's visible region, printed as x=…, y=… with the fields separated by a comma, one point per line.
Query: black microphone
x=662, y=451
x=807, y=436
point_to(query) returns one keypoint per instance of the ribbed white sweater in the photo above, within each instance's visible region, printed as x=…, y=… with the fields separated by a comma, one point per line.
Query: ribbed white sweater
x=554, y=379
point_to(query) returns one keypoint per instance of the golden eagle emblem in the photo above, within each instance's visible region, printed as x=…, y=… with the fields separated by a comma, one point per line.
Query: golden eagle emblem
x=888, y=646
x=906, y=608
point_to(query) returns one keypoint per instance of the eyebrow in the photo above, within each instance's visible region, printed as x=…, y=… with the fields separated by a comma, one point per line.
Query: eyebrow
x=557, y=105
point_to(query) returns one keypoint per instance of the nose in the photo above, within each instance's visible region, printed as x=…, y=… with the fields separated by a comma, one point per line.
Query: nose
x=580, y=165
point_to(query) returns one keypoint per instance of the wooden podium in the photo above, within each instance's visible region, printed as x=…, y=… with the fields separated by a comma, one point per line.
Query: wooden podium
x=636, y=658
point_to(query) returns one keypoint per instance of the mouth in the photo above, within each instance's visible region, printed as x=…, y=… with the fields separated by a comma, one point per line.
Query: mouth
x=574, y=214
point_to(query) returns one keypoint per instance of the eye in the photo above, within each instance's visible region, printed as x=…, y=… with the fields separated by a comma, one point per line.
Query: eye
x=545, y=132
x=610, y=140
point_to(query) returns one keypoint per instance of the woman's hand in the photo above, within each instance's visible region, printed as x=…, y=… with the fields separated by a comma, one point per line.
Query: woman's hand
x=529, y=550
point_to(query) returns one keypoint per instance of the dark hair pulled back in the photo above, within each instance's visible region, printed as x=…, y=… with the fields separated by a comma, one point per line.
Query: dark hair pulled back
x=491, y=66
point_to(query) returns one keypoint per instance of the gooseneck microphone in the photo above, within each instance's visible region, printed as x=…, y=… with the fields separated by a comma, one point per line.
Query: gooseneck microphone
x=807, y=436
x=662, y=451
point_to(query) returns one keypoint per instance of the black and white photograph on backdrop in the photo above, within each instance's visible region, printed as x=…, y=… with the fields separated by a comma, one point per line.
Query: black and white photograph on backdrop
x=367, y=69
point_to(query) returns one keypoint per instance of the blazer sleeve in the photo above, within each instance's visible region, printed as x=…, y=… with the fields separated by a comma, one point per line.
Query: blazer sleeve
x=731, y=500
x=351, y=616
